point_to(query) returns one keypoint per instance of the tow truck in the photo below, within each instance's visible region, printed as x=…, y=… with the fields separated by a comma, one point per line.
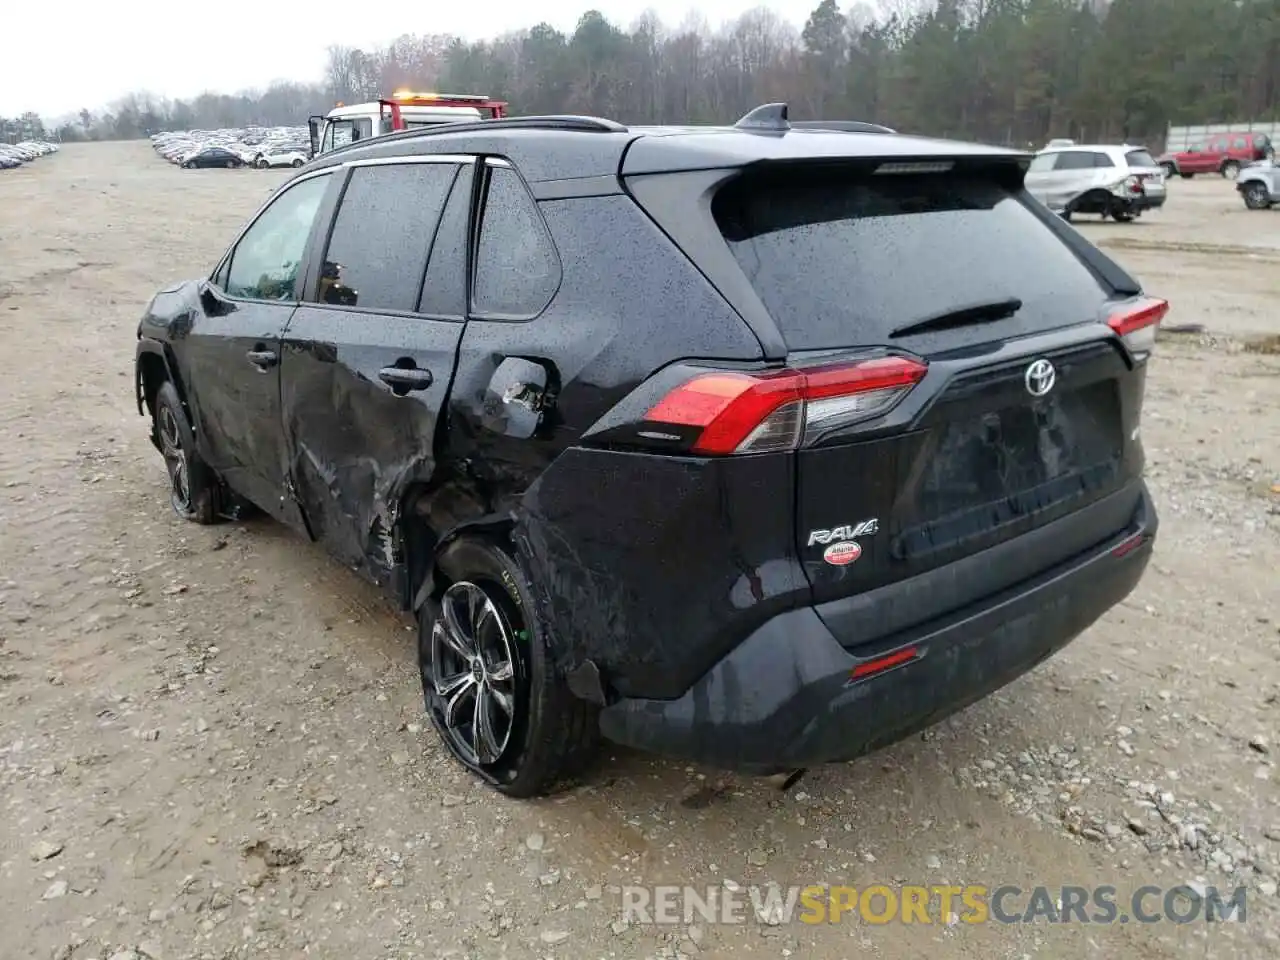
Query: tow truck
x=403, y=110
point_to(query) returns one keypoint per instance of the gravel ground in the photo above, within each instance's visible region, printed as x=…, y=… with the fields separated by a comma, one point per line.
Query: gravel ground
x=212, y=743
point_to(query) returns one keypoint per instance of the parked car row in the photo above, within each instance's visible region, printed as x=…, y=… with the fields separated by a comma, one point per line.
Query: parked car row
x=16, y=154
x=260, y=147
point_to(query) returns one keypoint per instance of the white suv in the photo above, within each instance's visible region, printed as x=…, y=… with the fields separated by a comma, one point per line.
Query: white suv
x=1118, y=181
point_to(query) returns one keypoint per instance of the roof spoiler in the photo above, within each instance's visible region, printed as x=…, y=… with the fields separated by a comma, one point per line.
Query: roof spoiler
x=843, y=126
x=772, y=118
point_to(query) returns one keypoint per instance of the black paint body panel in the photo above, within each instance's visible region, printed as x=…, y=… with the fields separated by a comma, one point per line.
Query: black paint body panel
x=688, y=584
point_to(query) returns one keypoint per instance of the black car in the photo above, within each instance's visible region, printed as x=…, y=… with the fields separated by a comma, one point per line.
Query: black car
x=213, y=157
x=751, y=445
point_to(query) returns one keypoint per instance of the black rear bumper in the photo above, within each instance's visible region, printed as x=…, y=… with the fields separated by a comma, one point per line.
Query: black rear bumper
x=783, y=699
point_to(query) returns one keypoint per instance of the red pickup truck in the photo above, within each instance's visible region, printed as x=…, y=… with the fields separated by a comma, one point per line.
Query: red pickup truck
x=1223, y=153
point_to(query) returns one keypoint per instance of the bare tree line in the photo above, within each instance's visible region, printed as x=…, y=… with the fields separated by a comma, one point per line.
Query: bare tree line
x=1015, y=71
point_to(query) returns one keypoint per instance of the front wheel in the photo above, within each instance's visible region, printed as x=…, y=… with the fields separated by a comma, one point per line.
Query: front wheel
x=261, y=164
x=491, y=685
x=1231, y=169
x=1256, y=196
x=297, y=163
x=192, y=487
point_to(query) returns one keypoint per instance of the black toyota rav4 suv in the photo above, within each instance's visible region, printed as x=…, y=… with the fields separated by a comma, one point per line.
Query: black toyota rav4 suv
x=760, y=446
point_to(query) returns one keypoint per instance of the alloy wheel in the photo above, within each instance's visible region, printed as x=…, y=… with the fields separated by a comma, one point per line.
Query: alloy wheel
x=1256, y=196
x=472, y=674
x=175, y=459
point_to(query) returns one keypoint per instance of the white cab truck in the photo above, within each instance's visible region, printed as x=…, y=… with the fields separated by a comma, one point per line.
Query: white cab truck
x=403, y=110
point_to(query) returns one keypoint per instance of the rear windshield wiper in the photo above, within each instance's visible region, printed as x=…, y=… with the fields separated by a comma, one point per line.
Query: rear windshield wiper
x=963, y=316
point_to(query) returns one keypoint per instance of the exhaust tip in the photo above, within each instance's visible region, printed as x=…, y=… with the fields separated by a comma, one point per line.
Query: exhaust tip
x=786, y=780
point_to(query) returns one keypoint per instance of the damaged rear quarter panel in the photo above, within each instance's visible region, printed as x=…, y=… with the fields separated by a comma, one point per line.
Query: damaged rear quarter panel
x=634, y=559
x=656, y=567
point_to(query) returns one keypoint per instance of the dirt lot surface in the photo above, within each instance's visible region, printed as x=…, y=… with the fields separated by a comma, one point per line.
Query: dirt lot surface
x=212, y=741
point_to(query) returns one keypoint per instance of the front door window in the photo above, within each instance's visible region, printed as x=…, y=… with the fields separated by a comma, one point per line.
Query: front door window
x=266, y=262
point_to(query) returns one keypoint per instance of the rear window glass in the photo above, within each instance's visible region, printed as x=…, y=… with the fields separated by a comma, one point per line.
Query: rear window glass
x=845, y=261
x=1140, y=158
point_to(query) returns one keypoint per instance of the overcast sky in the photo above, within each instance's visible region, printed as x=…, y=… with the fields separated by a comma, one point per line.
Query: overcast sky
x=56, y=60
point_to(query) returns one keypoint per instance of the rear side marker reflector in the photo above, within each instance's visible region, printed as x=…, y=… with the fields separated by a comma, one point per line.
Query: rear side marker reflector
x=870, y=668
x=1136, y=323
x=757, y=413
x=1126, y=547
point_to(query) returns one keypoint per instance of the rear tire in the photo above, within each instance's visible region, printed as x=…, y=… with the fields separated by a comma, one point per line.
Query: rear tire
x=1122, y=216
x=482, y=647
x=1230, y=169
x=193, y=488
x=297, y=163
x=1169, y=170
x=231, y=164
x=1186, y=176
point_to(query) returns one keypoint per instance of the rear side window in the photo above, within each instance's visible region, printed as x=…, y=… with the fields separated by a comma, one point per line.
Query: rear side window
x=1102, y=160
x=517, y=268
x=1074, y=160
x=444, y=294
x=1139, y=158
x=377, y=253
x=844, y=261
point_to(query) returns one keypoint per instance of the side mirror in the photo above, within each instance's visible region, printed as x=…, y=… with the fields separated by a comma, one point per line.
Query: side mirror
x=213, y=300
x=313, y=127
x=515, y=398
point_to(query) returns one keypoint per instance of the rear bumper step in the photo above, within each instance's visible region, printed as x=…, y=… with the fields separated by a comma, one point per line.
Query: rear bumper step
x=783, y=699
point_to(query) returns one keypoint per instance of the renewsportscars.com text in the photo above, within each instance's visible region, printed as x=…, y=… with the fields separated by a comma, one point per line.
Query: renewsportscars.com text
x=772, y=904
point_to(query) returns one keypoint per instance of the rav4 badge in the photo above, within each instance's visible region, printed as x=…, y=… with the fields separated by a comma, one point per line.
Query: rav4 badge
x=842, y=554
x=847, y=532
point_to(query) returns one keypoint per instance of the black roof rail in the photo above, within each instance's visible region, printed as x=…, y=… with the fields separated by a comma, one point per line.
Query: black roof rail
x=843, y=126
x=769, y=118
x=566, y=122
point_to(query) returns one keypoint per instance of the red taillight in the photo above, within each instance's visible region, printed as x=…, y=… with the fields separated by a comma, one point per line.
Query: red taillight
x=1136, y=323
x=757, y=413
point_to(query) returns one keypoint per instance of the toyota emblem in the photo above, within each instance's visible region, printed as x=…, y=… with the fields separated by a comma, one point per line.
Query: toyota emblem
x=1040, y=378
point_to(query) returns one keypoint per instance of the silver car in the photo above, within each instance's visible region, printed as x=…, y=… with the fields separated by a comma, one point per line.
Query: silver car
x=1259, y=184
x=1118, y=181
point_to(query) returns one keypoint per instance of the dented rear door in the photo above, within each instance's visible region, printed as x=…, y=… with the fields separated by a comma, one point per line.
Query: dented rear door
x=368, y=360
